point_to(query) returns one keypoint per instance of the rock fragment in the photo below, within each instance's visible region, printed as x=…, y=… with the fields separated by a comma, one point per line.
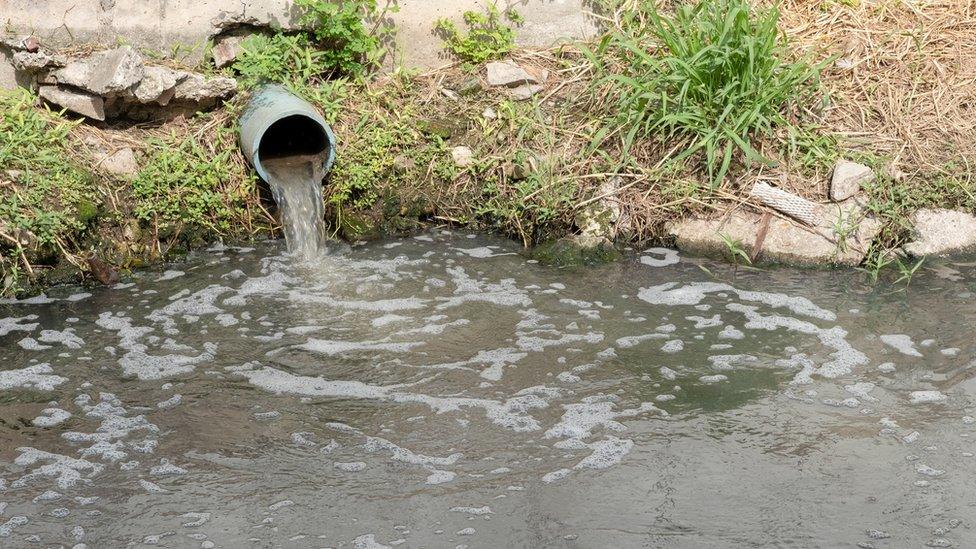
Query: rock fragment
x=463, y=157
x=941, y=232
x=158, y=85
x=226, y=49
x=848, y=179
x=122, y=162
x=83, y=103
x=508, y=74
x=198, y=88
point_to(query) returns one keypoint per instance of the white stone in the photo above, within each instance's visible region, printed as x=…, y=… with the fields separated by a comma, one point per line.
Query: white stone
x=508, y=74
x=104, y=73
x=942, y=232
x=79, y=102
x=525, y=91
x=198, y=88
x=158, y=85
x=463, y=157
x=122, y=162
x=847, y=179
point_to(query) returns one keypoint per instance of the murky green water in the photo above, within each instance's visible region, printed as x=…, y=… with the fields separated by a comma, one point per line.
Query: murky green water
x=442, y=391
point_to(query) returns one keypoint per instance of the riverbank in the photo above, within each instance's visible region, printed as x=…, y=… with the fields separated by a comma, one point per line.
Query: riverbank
x=545, y=146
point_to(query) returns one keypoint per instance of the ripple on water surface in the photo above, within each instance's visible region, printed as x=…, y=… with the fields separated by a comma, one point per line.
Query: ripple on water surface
x=442, y=390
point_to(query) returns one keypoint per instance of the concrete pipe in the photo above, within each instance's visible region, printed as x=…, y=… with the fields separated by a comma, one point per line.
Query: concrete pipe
x=277, y=124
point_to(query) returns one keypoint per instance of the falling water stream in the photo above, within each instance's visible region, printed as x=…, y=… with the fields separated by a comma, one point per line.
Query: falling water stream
x=444, y=391
x=296, y=184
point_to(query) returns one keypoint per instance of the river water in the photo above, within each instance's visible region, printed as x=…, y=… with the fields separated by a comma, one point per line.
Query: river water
x=443, y=391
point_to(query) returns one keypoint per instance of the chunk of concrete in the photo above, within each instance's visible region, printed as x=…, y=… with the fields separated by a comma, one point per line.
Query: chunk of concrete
x=36, y=61
x=525, y=91
x=76, y=101
x=158, y=85
x=508, y=74
x=114, y=71
x=848, y=179
x=785, y=242
x=122, y=163
x=226, y=49
x=463, y=157
x=198, y=88
x=941, y=232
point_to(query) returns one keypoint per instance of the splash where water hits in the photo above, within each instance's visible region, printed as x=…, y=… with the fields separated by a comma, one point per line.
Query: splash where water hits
x=442, y=391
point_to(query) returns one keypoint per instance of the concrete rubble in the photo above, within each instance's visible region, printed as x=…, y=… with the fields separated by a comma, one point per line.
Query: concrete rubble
x=118, y=83
x=801, y=233
x=940, y=232
x=848, y=179
x=522, y=83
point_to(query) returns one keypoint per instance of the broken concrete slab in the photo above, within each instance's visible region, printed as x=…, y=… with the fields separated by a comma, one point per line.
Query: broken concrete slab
x=114, y=71
x=37, y=61
x=77, y=101
x=848, y=179
x=508, y=74
x=940, y=232
x=785, y=242
x=198, y=88
x=158, y=85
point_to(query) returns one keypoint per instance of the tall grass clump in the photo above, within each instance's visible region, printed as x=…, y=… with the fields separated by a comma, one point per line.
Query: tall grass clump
x=717, y=73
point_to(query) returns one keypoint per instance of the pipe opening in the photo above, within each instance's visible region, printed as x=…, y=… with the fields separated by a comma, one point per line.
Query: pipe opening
x=296, y=135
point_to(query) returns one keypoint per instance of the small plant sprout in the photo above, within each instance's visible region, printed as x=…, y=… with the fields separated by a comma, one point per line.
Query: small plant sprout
x=488, y=37
x=735, y=250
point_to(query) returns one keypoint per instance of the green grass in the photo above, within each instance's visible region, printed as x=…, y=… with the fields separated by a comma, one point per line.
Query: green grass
x=718, y=74
x=279, y=58
x=352, y=35
x=51, y=199
x=191, y=188
x=487, y=36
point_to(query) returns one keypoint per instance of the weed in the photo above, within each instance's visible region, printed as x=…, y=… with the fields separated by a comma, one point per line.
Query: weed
x=719, y=76
x=487, y=37
x=907, y=271
x=735, y=250
x=280, y=58
x=191, y=188
x=341, y=30
x=48, y=196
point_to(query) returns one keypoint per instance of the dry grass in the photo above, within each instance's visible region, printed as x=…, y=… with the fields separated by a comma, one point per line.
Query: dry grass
x=904, y=82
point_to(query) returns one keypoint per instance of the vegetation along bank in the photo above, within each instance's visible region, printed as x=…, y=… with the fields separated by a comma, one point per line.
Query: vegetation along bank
x=810, y=133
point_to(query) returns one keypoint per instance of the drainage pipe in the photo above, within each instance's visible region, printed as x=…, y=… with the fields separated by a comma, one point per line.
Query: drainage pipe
x=277, y=123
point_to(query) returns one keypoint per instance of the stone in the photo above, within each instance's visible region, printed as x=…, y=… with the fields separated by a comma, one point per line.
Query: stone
x=508, y=74
x=197, y=88
x=114, y=71
x=525, y=91
x=225, y=50
x=32, y=44
x=463, y=157
x=848, y=179
x=75, y=101
x=599, y=220
x=122, y=163
x=942, y=232
x=158, y=85
x=785, y=242
x=36, y=61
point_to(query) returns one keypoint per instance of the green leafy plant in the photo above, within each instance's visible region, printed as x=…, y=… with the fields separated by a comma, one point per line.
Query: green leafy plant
x=716, y=73
x=352, y=34
x=280, y=58
x=46, y=198
x=735, y=250
x=907, y=271
x=487, y=36
x=189, y=187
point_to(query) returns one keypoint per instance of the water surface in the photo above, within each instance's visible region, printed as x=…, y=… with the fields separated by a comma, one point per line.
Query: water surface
x=443, y=391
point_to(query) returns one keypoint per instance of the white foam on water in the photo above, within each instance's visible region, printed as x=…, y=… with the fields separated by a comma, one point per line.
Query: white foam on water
x=668, y=373
x=717, y=378
x=38, y=377
x=466, y=289
x=279, y=505
x=368, y=541
x=151, y=487
x=731, y=332
x=539, y=344
x=481, y=252
x=951, y=351
x=862, y=390
x=729, y=362
x=478, y=511
x=440, y=477
x=334, y=347
x=902, y=343
x=8, y=527
x=887, y=367
x=673, y=346
x=65, y=471
x=195, y=519
x=398, y=453
x=632, y=341
x=11, y=324
x=702, y=322
x=32, y=344
x=692, y=294
x=166, y=469
x=670, y=257
x=51, y=416
x=845, y=357
x=170, y=275
x=556, y=475
x=170, y=402
x=384, y=320
x=928, y=397
x=466, y=532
